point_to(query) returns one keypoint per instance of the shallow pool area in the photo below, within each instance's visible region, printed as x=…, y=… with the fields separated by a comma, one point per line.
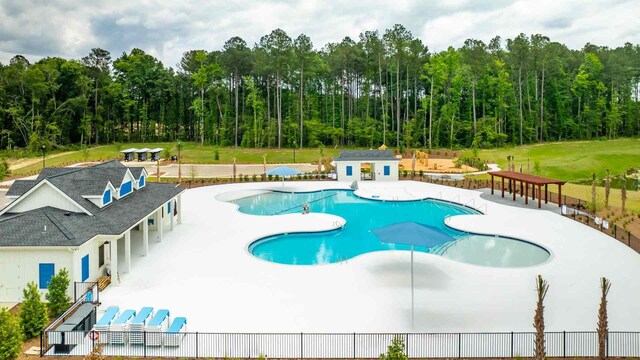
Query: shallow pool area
x=362, y=216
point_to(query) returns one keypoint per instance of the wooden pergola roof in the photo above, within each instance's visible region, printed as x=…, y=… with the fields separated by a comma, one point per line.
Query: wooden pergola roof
x=527, y=178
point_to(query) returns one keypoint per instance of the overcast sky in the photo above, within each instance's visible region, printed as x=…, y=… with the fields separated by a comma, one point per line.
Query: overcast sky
x=166, y=28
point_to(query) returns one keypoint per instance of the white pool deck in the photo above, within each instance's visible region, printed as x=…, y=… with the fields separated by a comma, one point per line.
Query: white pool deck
x=203, y=271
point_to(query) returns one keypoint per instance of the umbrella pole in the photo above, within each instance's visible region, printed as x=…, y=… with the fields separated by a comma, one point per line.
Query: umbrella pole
x=412, y=287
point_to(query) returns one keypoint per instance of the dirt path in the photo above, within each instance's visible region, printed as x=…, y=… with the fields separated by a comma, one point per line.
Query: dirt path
x=20, y=163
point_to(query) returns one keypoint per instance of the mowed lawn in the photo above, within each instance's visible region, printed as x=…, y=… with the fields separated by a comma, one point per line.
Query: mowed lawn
x=191, y=153
x=574, y=160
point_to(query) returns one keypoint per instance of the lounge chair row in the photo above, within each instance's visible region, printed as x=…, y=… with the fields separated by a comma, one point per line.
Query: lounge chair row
x=115, y=327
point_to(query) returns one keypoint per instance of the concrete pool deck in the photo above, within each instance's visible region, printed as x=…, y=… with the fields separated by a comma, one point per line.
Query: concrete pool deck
x=203, y=270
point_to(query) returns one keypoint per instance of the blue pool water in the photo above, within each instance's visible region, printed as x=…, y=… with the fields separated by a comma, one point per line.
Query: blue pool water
x=364, y=215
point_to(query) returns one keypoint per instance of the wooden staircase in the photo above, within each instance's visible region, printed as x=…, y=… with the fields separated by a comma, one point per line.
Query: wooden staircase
x=103, y=282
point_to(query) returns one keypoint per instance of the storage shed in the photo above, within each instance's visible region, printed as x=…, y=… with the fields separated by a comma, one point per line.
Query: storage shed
x=355, y=165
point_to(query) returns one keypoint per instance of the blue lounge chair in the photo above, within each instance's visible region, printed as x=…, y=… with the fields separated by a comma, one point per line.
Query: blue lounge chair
x=156, y=326
x=119, y=326
x=102, y=326
x=175, y=333
x=137, y=325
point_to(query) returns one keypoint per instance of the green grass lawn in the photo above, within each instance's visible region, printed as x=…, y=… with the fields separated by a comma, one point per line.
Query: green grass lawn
x=572, y=161
x=191, y=153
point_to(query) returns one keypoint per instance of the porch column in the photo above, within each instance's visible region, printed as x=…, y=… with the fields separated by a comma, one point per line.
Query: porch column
x=159, y=213
x=127, y=252
x=179, y=208
x=113, y=245
x=171, y=214
x=145, y=236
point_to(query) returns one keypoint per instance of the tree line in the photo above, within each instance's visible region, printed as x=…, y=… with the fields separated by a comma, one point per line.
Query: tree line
x=382, y=88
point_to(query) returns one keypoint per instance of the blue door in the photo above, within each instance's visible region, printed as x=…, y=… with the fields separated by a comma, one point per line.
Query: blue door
x=387, y=170
x=85, y=268
x=46, y=271
x=349, y=170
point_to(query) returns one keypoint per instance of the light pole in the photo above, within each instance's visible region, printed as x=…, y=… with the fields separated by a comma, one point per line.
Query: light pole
x=295, y=145
x=44, y=151
x=179, y=162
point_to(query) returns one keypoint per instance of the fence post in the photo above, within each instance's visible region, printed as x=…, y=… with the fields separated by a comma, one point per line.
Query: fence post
x=196, y=344
x=512, y=344
x=606, y=344
x=41, y=343
x=628, y=238
x=301, y=346
x=406, y=344
x=75, y=295
x=459, y=345
x=564, y=344
x=354, y=345
x=144, y=344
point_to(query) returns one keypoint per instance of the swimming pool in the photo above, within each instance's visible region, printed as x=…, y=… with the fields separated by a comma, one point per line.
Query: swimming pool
x=362, y=216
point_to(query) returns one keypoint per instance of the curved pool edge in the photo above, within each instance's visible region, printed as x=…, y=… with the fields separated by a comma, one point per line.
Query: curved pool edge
x=447, y=223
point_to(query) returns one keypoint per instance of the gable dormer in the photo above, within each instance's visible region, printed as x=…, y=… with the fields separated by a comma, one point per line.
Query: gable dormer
x=127, y=185
x=103, y=197
x=141, y=176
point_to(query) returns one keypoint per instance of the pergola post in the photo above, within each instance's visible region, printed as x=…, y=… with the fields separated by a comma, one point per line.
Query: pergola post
x=521, y=188
x=526, y=194
x=546, y=193
x=539, y=197
x=491, y=184
x=559, y=195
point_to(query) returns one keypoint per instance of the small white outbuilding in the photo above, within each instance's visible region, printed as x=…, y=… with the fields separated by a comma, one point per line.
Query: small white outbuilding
x=356, y=165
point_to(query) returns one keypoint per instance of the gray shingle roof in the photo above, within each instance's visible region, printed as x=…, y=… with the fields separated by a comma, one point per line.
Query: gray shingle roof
x=20, y=187
x=136, y=171
x=64, y=228
x=365, y=155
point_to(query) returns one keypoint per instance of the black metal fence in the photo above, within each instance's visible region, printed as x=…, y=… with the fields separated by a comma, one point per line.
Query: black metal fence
x=343, y=345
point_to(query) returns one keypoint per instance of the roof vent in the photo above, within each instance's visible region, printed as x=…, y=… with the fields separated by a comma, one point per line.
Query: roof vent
x=45, y=229
x=67, y=214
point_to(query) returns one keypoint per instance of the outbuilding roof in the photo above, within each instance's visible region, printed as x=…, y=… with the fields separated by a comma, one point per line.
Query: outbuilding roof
x=366, y=155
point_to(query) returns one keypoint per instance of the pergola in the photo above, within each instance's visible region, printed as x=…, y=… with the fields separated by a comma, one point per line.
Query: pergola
x=527, y=180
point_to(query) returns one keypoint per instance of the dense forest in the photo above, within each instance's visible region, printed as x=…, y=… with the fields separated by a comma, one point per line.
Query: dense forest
x=285, y=92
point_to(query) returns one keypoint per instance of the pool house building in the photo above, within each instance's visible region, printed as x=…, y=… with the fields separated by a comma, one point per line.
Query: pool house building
x=91, y=221
x=355, y=165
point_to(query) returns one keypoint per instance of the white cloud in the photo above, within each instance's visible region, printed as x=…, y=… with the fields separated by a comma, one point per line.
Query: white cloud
x=70, y=28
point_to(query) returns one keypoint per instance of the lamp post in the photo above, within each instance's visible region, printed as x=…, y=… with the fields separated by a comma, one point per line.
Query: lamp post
x=295, y=145
x=44, y=152
x=179, y=162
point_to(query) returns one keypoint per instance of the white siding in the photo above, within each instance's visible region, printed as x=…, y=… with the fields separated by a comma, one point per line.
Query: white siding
x=378, y=166
x=45, y=195
x=18, y=267
x=341, y=170
x=393, y=170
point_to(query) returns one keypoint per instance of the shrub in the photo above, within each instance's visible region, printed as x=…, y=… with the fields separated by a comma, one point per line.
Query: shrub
x=254, y=177
x=404, y=173
x=216, y=155
x=4, y=169
x=421, y=173
x=270, y=177
x=395, y=351
x=57, y=295
x=33, y=312
x=10, y=335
